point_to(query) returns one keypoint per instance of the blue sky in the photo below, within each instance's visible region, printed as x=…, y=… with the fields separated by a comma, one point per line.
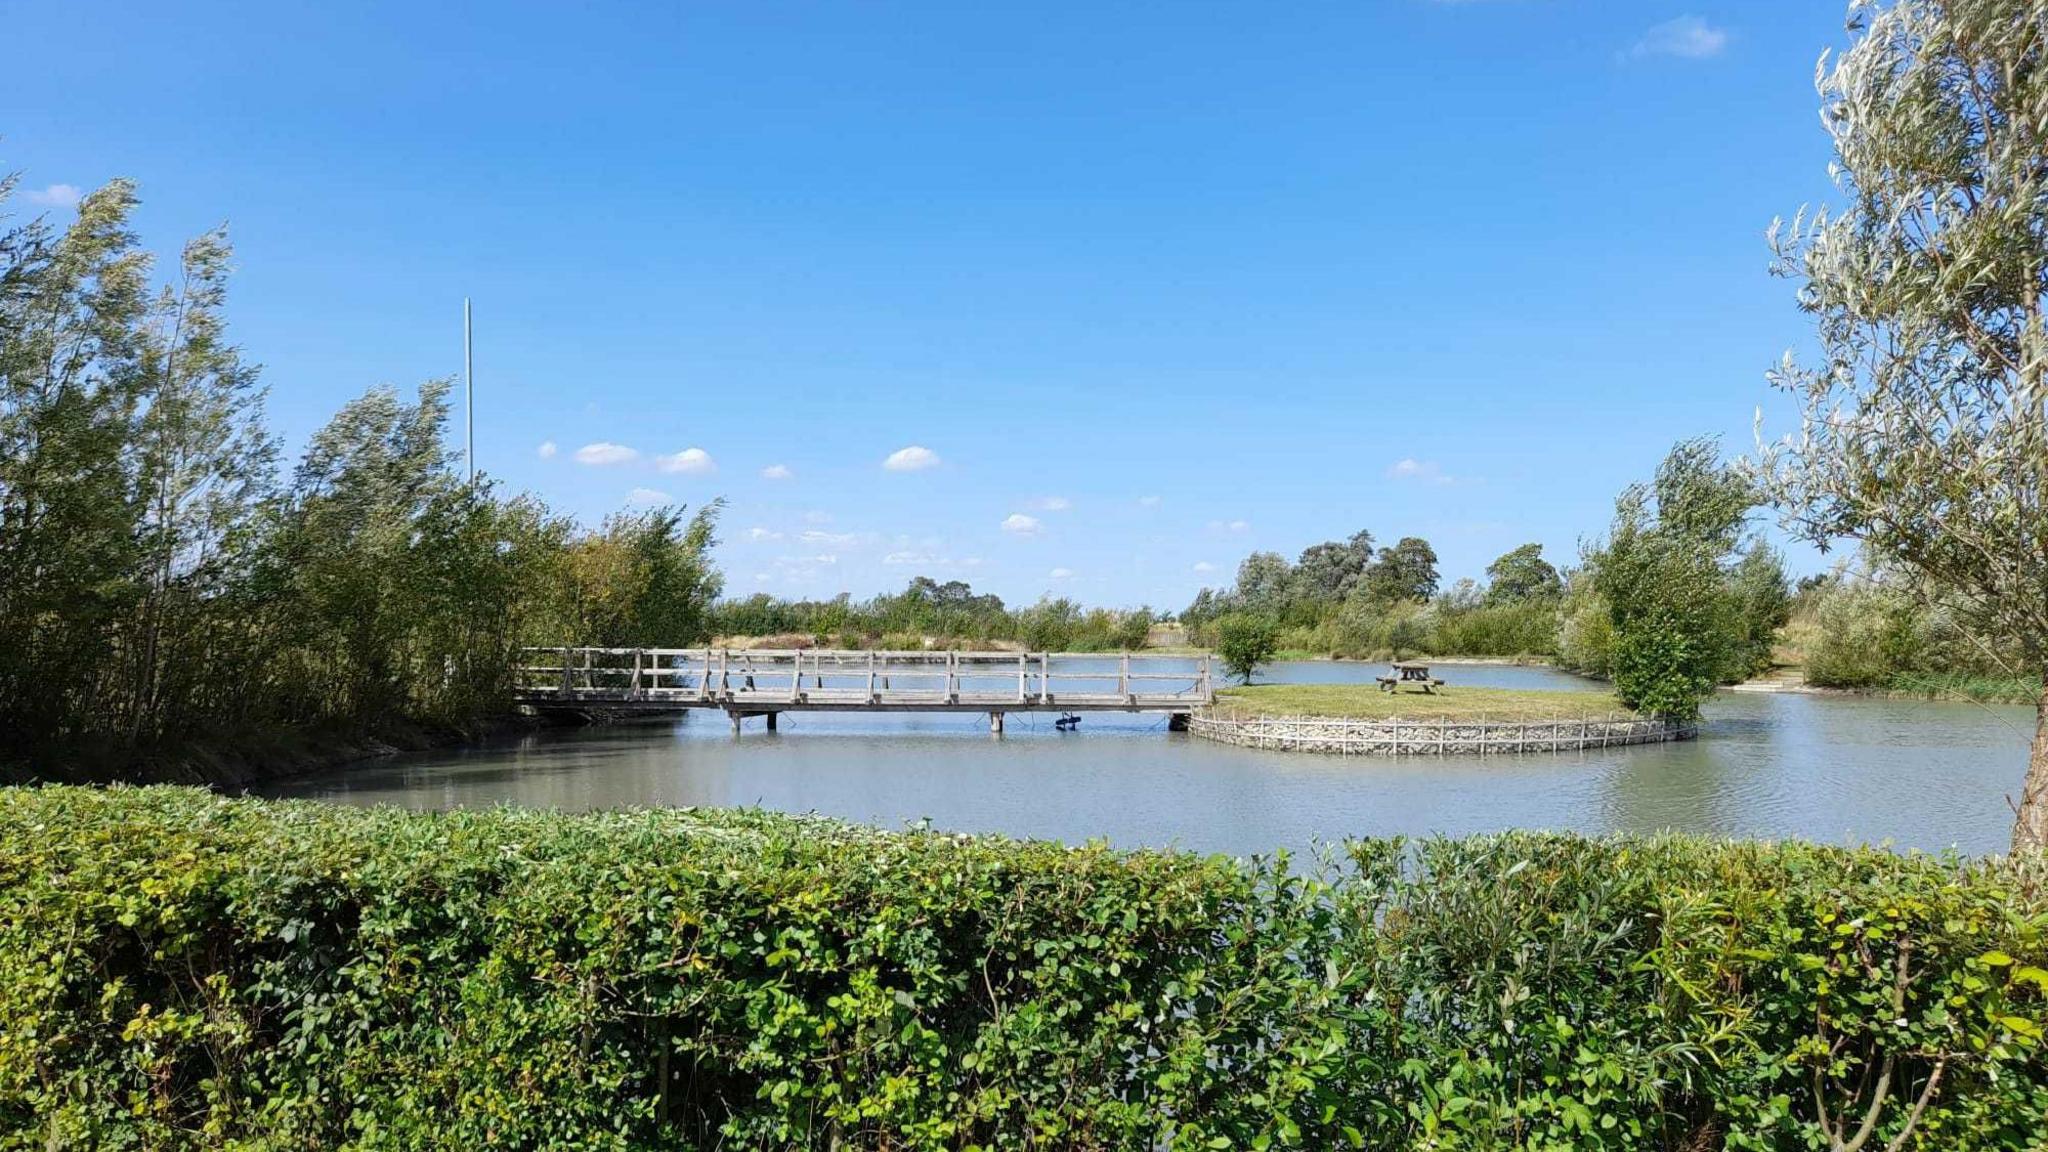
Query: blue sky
x=1124, y=292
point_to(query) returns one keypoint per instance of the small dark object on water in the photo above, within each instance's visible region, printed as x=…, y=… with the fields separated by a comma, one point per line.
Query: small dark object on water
x=1068, y=722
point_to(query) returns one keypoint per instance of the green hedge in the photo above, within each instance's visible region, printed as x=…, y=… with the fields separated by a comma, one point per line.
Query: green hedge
x=180, y=970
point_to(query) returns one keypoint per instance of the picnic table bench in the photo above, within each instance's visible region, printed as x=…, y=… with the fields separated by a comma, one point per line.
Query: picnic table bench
x=1406, y=673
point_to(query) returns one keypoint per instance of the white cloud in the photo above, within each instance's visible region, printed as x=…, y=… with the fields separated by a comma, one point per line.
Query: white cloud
x=56, y=196
x=1018, y=524
x=1230, y=526
x=913, y=560
x=776, y=472
x=605, y=452
x=915, y=458
x=1686, y=37
x=646, y=497
x=757, y=535
x=1061, y=574
x=695, y=461
x=835, y=539
x=1204, y=566
x=1052, y=504
x=1148, y=501
x=973, y=562
x=814, y=516
x=1420, y=471
x=547, y=450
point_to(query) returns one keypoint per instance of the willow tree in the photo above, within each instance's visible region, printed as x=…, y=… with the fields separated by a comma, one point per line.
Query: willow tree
x=1925, y=430
x=70, y=298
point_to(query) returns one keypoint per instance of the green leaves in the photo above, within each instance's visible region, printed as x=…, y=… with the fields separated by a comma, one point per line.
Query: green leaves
x=1681, y=616
x=181, y=970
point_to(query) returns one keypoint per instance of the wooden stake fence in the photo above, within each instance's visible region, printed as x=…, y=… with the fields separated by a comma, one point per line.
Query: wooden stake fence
x=1399, y=737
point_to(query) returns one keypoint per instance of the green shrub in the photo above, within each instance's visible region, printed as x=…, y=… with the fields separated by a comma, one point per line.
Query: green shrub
x=1863, y=636
x=179, y=970
x=1585, y=633
x=1867, y=634
x=1245, y=642
x=1508, y=628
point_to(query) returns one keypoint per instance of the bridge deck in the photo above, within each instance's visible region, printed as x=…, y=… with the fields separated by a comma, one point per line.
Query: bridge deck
x=766, y=682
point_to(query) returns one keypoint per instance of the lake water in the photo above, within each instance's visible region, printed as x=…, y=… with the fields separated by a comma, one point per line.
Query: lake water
x=1912, y=773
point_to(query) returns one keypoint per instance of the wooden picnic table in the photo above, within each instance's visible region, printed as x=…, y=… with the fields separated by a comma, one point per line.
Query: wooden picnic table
x=1404, y=672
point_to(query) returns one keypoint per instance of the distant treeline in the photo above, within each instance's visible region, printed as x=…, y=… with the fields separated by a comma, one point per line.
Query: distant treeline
x=929, y=613
x=1346, y=598
x=1679, y=597
x=165, y=579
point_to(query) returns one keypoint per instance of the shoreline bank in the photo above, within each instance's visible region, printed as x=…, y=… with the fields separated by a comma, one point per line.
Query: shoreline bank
x=231, y=763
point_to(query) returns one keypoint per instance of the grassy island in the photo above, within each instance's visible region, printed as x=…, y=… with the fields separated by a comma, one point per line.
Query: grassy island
x=1367, y=702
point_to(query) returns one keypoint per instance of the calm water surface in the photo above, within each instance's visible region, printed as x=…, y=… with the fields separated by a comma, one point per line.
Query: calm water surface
x=1916, y=774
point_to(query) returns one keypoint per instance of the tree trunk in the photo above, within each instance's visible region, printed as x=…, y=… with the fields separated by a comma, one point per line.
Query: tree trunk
x=2030, y=829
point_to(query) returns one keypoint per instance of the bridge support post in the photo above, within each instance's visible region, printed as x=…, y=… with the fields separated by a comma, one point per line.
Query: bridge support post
x=770, y=716
x=995, y=723
x=734, y=716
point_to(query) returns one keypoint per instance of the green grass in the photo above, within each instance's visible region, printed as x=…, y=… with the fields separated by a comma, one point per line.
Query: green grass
x=1963, y=686
x=1367, y=702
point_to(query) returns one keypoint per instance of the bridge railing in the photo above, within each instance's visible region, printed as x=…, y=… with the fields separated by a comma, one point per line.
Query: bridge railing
x=846, y=677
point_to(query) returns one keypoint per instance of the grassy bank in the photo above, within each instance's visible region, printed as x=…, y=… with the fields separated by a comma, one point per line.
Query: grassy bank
x=1367, y=702
x=1963, y=686
x=234, y=760
x=179, y=970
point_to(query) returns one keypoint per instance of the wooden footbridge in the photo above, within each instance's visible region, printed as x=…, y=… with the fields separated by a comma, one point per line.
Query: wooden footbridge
x=743, y=683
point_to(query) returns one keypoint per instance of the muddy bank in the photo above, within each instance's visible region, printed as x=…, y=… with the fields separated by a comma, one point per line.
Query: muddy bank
x=231, y=763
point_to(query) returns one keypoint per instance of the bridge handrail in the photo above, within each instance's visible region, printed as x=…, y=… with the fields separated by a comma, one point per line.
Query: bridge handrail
x=649, y=668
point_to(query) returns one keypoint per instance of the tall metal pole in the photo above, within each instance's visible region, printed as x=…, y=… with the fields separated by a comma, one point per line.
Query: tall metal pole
x=468, y=396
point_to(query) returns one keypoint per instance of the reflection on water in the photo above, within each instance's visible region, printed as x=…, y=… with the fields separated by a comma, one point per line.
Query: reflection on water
x=1916, y=774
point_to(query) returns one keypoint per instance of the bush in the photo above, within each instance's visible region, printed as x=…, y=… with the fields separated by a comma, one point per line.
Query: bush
x=1506, y=628
x=1245, y=642
x=1871, y=635
x=181, y=970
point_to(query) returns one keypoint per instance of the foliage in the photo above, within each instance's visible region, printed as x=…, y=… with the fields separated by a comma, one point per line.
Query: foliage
x=164, y=583
x=948, y=615
x=1331, y=571
x=643, y=573
x=185, y=971
x=1926, y=413
x=1677, y=606
x=1522, y=574
x=1500, y=629
x=1244, y=642
x=1341, y=598
x=1880, y=630
x=1406, y=571
x=1585, y=633
x=71, y=303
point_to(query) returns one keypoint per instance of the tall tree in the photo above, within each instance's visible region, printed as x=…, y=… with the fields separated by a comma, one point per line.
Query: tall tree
x=1406, y=571
x=70, y=300
x=1264, y=582
x=1670, y=600
x=1762, y=604
x=1926, y=415
x=339, y=566
x=1329, y=571
x=1522, y=574
x=204, y=465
